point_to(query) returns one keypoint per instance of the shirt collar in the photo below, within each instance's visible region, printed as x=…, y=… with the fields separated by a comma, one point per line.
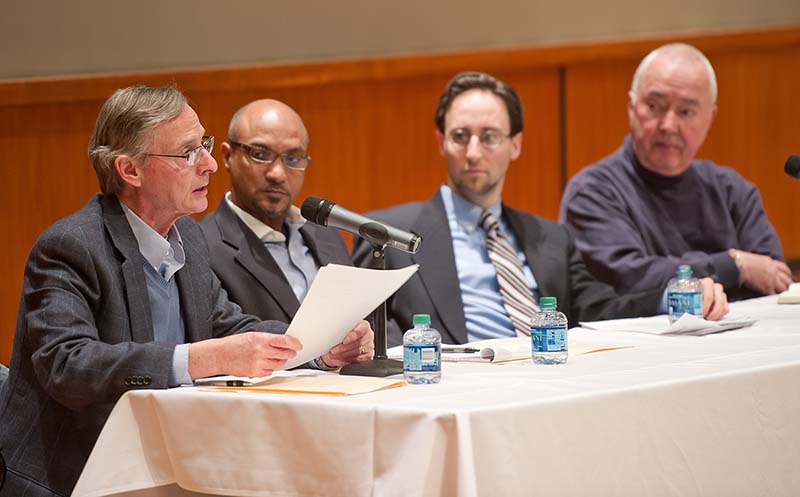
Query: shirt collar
x=156, y=249
x=466, y=213
x=261, y=230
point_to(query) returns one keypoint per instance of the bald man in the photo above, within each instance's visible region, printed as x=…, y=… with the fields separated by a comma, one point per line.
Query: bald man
x=651, y=206
x=262, y=250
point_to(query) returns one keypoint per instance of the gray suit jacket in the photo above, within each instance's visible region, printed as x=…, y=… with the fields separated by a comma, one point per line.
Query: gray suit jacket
x=550, y=251
x=247, y=270
x=84, y=337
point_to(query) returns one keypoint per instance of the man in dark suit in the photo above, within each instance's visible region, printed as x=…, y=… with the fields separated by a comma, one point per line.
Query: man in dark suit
x=479, y=129
x=261, y=248
x=119, y=296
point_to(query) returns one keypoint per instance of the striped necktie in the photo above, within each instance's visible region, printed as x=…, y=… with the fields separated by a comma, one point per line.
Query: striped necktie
x=517, y=297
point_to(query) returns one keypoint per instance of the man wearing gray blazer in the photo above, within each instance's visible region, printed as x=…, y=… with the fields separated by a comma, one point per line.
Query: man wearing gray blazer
x=120, y=296
x=263, y=251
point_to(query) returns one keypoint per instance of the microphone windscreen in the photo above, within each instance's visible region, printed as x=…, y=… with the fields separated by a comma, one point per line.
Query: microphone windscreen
x=316, y=210
x=792, y=166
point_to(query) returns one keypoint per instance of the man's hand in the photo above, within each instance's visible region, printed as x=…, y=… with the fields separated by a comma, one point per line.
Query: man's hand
x=251, y=354
x=357, y=346
x=763, y=273
x=715, y=302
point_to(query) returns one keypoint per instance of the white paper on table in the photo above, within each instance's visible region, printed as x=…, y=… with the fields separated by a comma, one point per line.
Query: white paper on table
x=247, y=381
x=791, y=295
x=659, y=325
x=339, y=297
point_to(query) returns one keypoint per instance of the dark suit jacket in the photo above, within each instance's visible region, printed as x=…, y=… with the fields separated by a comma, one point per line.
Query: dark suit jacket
x=551, y=254
x=84, y=337
x=248, y=271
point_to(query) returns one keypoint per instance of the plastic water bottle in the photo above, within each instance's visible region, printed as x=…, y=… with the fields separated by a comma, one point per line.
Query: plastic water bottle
x=549, y=333
x=684, y=294
x=422, y=352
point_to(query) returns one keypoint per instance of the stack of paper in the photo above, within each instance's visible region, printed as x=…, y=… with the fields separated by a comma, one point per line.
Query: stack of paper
x=659, y=325
x=303, y=382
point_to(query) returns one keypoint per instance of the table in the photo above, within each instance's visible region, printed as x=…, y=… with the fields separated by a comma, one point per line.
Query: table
x=671, y=416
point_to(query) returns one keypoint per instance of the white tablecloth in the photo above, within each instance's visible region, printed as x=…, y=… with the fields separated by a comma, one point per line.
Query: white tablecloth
x=672, y=416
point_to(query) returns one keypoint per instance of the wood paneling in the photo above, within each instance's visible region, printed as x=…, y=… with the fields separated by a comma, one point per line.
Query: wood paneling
x=372, y=132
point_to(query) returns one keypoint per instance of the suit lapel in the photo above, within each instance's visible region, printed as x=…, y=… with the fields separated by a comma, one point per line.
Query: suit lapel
x=325, y=247
x=437, y=269
x=255, y=258
x=134, y=284
x=534, y=243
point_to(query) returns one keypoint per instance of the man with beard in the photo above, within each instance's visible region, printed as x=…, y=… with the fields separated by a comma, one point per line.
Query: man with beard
x=261, y=248
x=651, y=206
x=483, y=264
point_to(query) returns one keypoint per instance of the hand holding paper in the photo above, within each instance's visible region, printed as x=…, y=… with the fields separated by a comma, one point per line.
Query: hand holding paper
x=339, y=297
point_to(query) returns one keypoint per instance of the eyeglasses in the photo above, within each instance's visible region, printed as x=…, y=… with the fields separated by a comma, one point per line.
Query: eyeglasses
x=488, y=138
x=263, y=155
x=192, y=156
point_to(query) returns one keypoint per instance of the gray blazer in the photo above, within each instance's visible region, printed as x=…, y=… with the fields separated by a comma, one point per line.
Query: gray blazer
x=84, y=337
x=549, y=249
x=247, y=270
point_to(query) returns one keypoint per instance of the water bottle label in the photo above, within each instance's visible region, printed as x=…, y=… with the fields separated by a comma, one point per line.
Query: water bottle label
x=685, y=302
x=421, y=358
x=549, y=339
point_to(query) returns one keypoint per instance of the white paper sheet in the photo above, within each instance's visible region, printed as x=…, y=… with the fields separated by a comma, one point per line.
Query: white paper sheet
x=659, y=325
x=339, y=297
x=790, y=296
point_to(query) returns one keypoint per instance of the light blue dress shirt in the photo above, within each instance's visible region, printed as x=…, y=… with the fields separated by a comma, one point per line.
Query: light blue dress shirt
x=289, y=249
x=484, y=311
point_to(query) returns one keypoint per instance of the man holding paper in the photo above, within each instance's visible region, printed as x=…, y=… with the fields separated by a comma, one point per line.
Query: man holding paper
x=483, y=264
x=263, y=251
x=120, y=296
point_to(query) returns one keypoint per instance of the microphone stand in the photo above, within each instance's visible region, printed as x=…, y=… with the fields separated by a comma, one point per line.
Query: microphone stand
x=380, y=365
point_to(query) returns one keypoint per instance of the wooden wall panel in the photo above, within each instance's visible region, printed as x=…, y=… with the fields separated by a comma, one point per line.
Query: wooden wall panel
x=372, y=132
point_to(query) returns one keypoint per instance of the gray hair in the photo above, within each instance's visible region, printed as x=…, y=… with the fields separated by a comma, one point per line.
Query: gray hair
x=684, y=50
x=125, y=126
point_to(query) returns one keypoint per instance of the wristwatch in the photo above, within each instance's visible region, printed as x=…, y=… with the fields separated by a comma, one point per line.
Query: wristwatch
x=737, y=259
x=318, y=362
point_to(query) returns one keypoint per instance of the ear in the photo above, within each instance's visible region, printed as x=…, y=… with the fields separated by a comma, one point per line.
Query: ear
x=440, y=142
x=516, y=145
x=714, y=112
x=128, y=170
x=226, y=151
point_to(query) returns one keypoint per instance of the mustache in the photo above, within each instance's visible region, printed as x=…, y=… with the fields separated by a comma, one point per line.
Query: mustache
x=275, y=187
x=669, y=139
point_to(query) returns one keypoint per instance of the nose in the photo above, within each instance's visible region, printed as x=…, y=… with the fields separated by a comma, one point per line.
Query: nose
x=207, y=164
x=669, y=123
x=474, y=148
x=275, y=172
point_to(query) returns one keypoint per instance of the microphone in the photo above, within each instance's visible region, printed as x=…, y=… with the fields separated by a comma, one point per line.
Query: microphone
x=792, y=166
x=327, y=213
